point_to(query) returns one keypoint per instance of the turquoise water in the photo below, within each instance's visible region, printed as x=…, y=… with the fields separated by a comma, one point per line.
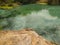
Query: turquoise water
x=45, y=20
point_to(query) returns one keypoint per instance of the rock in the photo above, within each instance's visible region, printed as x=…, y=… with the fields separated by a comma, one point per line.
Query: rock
x=22, y=37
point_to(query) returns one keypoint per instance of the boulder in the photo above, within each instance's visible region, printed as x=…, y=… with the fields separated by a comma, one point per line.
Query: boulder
x=22, y=37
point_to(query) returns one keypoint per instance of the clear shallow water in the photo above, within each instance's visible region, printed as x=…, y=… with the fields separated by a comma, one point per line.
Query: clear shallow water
x=41, y=21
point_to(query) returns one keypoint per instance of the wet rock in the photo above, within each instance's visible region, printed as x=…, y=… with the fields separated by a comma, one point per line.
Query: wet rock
x=22, y=37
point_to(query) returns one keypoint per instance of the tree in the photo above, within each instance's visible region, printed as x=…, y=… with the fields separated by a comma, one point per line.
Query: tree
x=3, y=2
x=54, y=2
x=25, y=1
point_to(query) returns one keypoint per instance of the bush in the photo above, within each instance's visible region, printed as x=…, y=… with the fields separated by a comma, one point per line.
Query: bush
x=26, y=1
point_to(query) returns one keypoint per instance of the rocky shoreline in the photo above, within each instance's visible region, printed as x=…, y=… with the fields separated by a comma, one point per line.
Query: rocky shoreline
x=22, y=37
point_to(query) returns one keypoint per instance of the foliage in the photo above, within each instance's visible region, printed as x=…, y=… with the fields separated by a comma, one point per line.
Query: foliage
x=3, y=2
x=26, y=1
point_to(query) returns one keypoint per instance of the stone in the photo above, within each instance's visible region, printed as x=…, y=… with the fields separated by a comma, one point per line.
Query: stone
x=22, y=37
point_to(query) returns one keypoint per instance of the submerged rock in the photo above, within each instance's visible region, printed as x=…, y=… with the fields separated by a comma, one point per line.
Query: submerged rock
x=22, y=37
